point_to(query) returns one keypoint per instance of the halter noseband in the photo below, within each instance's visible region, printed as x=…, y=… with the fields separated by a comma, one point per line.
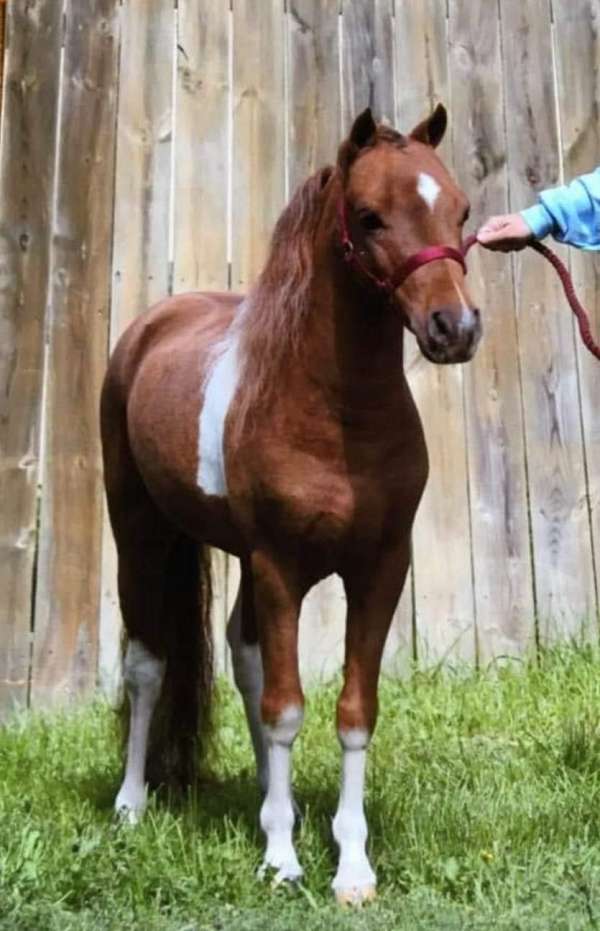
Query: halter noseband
x=389, y=284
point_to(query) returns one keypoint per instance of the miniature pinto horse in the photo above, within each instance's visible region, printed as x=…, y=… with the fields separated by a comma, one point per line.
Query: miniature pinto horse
x=280, y=428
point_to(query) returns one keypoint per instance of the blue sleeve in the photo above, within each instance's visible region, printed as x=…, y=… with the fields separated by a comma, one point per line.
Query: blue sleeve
x=571, y=213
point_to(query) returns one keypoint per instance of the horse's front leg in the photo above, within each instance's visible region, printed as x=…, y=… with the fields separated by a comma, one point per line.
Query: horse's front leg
x=371, y=603
x=277, y=601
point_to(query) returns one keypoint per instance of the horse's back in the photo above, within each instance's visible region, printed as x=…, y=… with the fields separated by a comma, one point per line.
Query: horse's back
x=193, y=321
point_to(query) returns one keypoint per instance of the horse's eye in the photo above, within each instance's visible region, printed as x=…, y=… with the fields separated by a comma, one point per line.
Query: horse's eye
x=369, y=220
x=465, y=216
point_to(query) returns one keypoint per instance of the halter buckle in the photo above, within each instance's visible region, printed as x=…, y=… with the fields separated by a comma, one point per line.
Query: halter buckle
x=348, y=250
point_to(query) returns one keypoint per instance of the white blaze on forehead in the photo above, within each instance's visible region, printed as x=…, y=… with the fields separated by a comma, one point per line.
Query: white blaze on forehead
x=428, y=188
x=219, y=388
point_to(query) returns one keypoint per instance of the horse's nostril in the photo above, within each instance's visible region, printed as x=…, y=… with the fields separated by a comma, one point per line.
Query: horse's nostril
x=476, y=314
x=442, y=325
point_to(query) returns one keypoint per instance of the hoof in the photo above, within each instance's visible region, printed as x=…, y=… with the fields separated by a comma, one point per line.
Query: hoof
x=129, y=816
x=290, y=872
x=130, y=806
x=355, y=898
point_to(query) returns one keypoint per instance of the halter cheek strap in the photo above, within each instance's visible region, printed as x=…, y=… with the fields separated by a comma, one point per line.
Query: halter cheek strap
x=418, y=259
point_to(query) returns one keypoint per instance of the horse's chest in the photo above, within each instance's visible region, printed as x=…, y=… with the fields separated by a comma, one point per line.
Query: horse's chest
x=326, y=503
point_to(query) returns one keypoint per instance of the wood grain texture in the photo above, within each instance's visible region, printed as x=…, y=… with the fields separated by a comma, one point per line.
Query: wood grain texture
x=143, y=167
x=502, y=569
x=368, y=81
x=577, y=38
x=67, y=601
x=368, y=60
x=2, y=42
x=202, y=146
x=314, y=114
x=29, y=106
x=444, y=609
x=313, y=87
x=140, y=244
x=258, y=156
x=560, y=522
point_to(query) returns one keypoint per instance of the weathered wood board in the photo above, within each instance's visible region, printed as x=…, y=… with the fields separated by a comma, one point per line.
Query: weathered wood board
x=68, y=591
x=29, y=108
x=565, y=596
x=258, y=151
x=504, y=607
x=202, y=146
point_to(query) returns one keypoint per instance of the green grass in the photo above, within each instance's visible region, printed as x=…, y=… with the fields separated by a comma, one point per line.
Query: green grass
x=483, y=804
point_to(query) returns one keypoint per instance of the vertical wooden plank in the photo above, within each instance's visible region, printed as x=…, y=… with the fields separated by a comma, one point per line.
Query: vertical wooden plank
x=368, y=60
x=368, y=71
x=313, y=87
x=314, y=135
x=26, y=183
x=201, y=148
x=141, y=226
x=143, y=166
x=421, y=63
x=67, y=602
x=560, y=524
x=577, y=40
x=444, y=610
x=200, y=260
x=258, y=166
x=2, y=42
x=498, y=495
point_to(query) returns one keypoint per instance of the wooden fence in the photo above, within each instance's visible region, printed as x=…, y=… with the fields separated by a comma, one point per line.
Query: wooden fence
x=147, y=147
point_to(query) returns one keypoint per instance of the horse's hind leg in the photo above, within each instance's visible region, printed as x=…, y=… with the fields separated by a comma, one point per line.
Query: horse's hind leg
x=242, y=637
x=143, y=551
x=144, y=675
x=143, y=539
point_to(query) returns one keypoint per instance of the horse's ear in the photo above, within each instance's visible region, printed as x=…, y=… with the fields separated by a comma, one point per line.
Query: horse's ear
x=363, y=132
x=325, y=175
x=363, y=129
x=431, y=130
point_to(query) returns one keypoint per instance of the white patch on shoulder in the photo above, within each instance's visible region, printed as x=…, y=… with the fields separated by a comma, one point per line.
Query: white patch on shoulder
x=428, y=188
x=219, y=389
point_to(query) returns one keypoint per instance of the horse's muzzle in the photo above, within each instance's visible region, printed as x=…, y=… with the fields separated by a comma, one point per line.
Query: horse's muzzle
x=451, y=334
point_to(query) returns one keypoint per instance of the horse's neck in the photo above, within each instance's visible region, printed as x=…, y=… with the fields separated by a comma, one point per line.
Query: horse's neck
x=353, y=346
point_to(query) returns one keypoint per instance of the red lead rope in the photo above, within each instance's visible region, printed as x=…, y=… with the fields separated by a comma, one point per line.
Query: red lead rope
x=568, y=287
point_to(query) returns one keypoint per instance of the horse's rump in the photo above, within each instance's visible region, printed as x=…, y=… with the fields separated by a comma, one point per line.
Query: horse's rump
x=154, y=385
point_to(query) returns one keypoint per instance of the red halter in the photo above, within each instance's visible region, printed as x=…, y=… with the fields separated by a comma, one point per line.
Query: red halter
x=389, y=284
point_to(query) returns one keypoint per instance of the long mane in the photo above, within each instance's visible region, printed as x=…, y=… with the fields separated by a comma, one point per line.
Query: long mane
x=277, y=307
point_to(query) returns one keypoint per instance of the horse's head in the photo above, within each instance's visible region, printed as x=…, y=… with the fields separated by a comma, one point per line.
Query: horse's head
x=399, y=200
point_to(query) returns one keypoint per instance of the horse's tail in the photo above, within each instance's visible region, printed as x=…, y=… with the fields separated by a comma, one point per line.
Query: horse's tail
x=181, y=725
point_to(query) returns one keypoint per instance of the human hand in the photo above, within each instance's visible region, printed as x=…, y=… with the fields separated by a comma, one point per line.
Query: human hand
x=505, y=233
